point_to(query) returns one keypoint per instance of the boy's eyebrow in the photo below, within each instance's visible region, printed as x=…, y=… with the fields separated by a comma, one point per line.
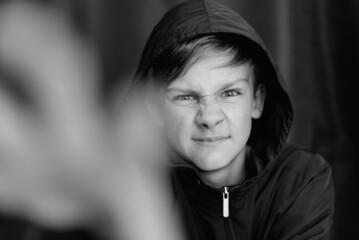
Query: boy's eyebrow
x=183, y=90
x=191, y=91
x=230, y=84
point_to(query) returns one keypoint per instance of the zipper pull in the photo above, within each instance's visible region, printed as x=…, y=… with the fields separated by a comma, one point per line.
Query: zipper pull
x=225, y=202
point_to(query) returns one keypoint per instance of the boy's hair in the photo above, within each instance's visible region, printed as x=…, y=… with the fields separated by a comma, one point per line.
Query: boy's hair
x=175, y=61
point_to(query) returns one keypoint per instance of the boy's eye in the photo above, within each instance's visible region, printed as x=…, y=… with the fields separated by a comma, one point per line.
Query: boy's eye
x=184, y=98
x=230, y=93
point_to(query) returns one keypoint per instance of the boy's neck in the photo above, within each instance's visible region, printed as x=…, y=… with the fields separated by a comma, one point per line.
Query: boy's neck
x=232, y=174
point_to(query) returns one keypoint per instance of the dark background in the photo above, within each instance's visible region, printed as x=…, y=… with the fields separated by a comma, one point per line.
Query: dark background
x=315, y=43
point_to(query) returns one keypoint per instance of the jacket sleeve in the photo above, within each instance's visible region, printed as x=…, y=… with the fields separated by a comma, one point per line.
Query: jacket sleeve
x=309, y=210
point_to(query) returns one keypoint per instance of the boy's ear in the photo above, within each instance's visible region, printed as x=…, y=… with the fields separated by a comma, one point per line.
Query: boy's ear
x=258, y=101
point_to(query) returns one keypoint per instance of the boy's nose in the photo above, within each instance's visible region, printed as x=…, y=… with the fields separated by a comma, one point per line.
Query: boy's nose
x=209, y=116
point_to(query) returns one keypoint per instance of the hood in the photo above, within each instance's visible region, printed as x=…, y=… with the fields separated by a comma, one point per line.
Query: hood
x=195, y=18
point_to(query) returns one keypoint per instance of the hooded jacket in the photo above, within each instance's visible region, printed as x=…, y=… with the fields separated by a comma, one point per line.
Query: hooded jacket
x=289, y=192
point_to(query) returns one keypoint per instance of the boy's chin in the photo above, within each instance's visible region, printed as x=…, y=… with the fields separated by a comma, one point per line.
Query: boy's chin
x=212, y=163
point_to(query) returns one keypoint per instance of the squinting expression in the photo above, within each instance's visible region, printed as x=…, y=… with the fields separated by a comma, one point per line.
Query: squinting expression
x=208, y=112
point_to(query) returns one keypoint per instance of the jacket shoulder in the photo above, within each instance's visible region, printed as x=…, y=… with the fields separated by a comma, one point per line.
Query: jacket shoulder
x=302, y=162
x=300, y=194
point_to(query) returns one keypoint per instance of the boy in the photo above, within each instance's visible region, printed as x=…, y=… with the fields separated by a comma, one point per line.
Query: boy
x=226, y=114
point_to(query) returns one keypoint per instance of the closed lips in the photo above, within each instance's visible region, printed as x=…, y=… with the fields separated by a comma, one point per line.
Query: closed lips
x=211, y=139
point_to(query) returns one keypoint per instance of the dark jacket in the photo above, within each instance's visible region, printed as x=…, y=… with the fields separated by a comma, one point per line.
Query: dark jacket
x=289, y=192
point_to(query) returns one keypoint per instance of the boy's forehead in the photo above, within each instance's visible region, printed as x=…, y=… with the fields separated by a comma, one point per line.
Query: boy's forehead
x=213, y=71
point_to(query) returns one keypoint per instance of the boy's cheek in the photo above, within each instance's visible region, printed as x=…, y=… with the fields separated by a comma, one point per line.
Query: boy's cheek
x=239, y=114
x=178, y=116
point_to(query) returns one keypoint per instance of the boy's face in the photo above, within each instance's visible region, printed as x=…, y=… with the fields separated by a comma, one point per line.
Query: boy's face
x=208, y=111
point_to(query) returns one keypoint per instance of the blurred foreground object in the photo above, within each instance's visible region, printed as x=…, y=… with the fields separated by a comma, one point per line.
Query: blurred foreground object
x=62, y=163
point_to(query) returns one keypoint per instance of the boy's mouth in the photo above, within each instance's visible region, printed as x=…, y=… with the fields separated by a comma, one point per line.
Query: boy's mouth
x=210, y=139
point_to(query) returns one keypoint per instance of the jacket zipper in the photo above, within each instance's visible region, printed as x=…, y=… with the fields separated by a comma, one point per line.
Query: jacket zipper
x=225, y=195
